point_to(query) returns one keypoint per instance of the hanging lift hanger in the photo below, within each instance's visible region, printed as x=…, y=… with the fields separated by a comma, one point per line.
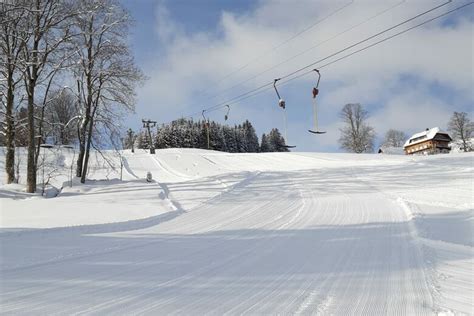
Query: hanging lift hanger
x=226, y=117
x=315, y=110
x=281, y=103
x=206, y=124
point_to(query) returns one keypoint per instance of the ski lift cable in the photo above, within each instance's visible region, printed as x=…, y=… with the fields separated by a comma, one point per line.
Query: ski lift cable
x=380, y=41
x=286, y=41
x=306, y=50
x=333, y=54
x=376, y=43
x=331, y=38
x=269, y=86
x=352, y=53
x=367, y=39
x=229, y=101
x=397, y=34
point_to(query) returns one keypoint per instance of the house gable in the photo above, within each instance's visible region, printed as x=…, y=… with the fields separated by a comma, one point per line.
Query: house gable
x=428, y=142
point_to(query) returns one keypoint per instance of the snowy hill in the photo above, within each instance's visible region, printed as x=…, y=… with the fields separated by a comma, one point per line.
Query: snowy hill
x=243, y=233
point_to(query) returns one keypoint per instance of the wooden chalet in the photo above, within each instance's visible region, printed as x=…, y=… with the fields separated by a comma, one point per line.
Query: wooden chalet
x=431, y=141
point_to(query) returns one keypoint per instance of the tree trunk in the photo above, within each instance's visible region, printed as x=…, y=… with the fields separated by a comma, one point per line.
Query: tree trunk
x=80, y=157
x=463, y=139
x=10, y=137
x=82, y=141
x=39, y=141
x=88, y=147
x=31, y=167
x=83, y=153
x=31, y=82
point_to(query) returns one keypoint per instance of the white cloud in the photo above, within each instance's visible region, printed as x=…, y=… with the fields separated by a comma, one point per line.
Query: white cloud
x=198, y=61
x=411, y=112
x=166, y=28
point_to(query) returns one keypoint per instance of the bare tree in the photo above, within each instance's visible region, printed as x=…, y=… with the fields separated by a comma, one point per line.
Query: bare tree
x=48, y=30
x=394, y=138
x=12, y=40
x=59, y=115
x=106, y=74
x=21, y=127
x=461, y=129
x=356, y=136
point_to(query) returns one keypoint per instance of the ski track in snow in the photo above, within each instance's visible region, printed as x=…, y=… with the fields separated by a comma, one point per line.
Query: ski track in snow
x=264, y=235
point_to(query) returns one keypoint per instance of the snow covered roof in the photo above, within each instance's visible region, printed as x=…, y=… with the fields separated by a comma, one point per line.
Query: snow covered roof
x=427, y=134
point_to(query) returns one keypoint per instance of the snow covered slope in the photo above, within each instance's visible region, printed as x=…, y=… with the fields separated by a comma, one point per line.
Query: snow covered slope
x=286, y=233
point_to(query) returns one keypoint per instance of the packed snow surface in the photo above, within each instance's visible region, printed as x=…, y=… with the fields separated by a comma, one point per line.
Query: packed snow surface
x=277, y=233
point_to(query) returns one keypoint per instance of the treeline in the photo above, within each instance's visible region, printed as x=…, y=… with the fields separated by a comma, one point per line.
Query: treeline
x=45, y=44
x=185, y=133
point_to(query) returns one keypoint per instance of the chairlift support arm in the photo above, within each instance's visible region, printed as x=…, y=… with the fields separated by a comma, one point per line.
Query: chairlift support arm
x=281, y=102
x=274, y=86
x=319, y=77
x=315, y=89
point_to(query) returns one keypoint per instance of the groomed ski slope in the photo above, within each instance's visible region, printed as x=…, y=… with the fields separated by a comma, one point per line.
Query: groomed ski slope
x=217, y=233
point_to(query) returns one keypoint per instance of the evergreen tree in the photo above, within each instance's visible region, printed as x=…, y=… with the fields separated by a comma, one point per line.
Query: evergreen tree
x=195, y=134
x=167, y=141
x=276, y=141
x=250, y=137
x=159, y=140
x=140, y=141
x=185, y=133
x=265, y=145
x=187, y=141
x=240, y=139
x=229, y=136
x=217, y=137
x=174, y=136
x=202, y=143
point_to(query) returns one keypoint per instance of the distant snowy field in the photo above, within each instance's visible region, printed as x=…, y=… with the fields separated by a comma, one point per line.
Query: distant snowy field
x=276, y=233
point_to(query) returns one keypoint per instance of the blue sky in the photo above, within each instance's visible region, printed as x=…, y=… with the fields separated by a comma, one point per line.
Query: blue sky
x=408, y=83
x=193, y=15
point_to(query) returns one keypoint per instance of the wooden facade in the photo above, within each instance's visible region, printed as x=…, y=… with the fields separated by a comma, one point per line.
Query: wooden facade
x=430, y=142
